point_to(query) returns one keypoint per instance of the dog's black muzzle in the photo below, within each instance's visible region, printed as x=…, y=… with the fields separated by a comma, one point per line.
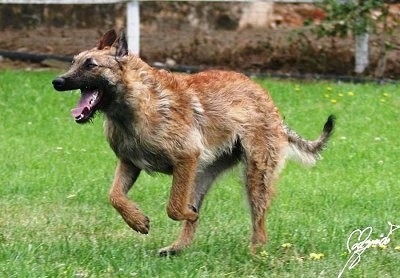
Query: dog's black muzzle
x=59, y=83
x=64, y=84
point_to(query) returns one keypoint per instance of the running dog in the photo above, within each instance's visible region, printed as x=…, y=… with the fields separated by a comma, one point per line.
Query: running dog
x=191, y=126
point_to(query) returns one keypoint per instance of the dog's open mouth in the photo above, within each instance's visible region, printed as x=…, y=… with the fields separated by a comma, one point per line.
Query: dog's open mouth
x=86, y=106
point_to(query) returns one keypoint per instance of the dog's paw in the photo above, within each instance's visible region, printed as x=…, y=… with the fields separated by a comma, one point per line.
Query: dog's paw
x=141, y=226
x=168, y=251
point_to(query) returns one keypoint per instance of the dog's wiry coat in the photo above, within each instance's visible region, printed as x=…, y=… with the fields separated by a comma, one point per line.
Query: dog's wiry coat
x=191, y=126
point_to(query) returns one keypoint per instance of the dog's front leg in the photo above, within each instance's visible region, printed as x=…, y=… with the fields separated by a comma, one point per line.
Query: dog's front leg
x=125, y=176
x=180, y=206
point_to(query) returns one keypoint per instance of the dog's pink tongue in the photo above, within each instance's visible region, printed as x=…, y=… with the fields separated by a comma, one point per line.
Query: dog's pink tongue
x=84, y=105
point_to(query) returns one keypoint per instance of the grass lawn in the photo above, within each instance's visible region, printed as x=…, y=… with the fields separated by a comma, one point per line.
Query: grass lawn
x=55, y=219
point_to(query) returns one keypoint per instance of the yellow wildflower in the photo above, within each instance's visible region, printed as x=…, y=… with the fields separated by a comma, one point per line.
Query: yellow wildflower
x=350, y=93
x=397, y=248
x=333, y=101
x=316, y=256
x=340, y=94
x=264, y=253
x=287, y=245
x=382, y=246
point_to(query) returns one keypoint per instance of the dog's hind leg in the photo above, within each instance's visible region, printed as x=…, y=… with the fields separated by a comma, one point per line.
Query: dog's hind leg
x=262, y=166
x=204, y=180
x=259, y=191
x=125, y=176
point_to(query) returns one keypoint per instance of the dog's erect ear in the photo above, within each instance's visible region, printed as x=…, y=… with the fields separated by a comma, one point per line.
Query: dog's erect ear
x=107, y=40
x=121, y=45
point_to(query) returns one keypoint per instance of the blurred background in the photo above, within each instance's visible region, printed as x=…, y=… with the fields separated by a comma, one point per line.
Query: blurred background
x=256, y=37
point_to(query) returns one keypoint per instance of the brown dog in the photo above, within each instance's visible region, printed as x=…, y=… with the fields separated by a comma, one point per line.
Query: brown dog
x=191, y=126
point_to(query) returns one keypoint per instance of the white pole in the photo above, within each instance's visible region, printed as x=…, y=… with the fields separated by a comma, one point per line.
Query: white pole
x=133, y=26
x=361, y=55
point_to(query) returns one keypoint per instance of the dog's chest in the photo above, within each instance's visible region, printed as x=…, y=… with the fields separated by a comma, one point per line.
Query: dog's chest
x=128, y=145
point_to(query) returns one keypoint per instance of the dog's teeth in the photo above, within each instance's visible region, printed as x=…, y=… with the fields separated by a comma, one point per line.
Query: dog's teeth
x=94, y=97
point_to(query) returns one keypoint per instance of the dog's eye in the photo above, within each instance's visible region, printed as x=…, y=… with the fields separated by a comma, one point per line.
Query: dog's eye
x=90, y=66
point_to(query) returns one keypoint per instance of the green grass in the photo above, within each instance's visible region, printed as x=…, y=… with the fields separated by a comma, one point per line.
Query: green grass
x=55, y=219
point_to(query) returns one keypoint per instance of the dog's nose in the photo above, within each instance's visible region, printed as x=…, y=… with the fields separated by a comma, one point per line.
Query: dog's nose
x=58, y=83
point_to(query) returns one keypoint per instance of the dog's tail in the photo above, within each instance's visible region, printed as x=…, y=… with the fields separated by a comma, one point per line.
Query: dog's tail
x=308, y=152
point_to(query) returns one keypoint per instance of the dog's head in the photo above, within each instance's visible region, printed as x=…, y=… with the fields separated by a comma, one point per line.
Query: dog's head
x=96, y=74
